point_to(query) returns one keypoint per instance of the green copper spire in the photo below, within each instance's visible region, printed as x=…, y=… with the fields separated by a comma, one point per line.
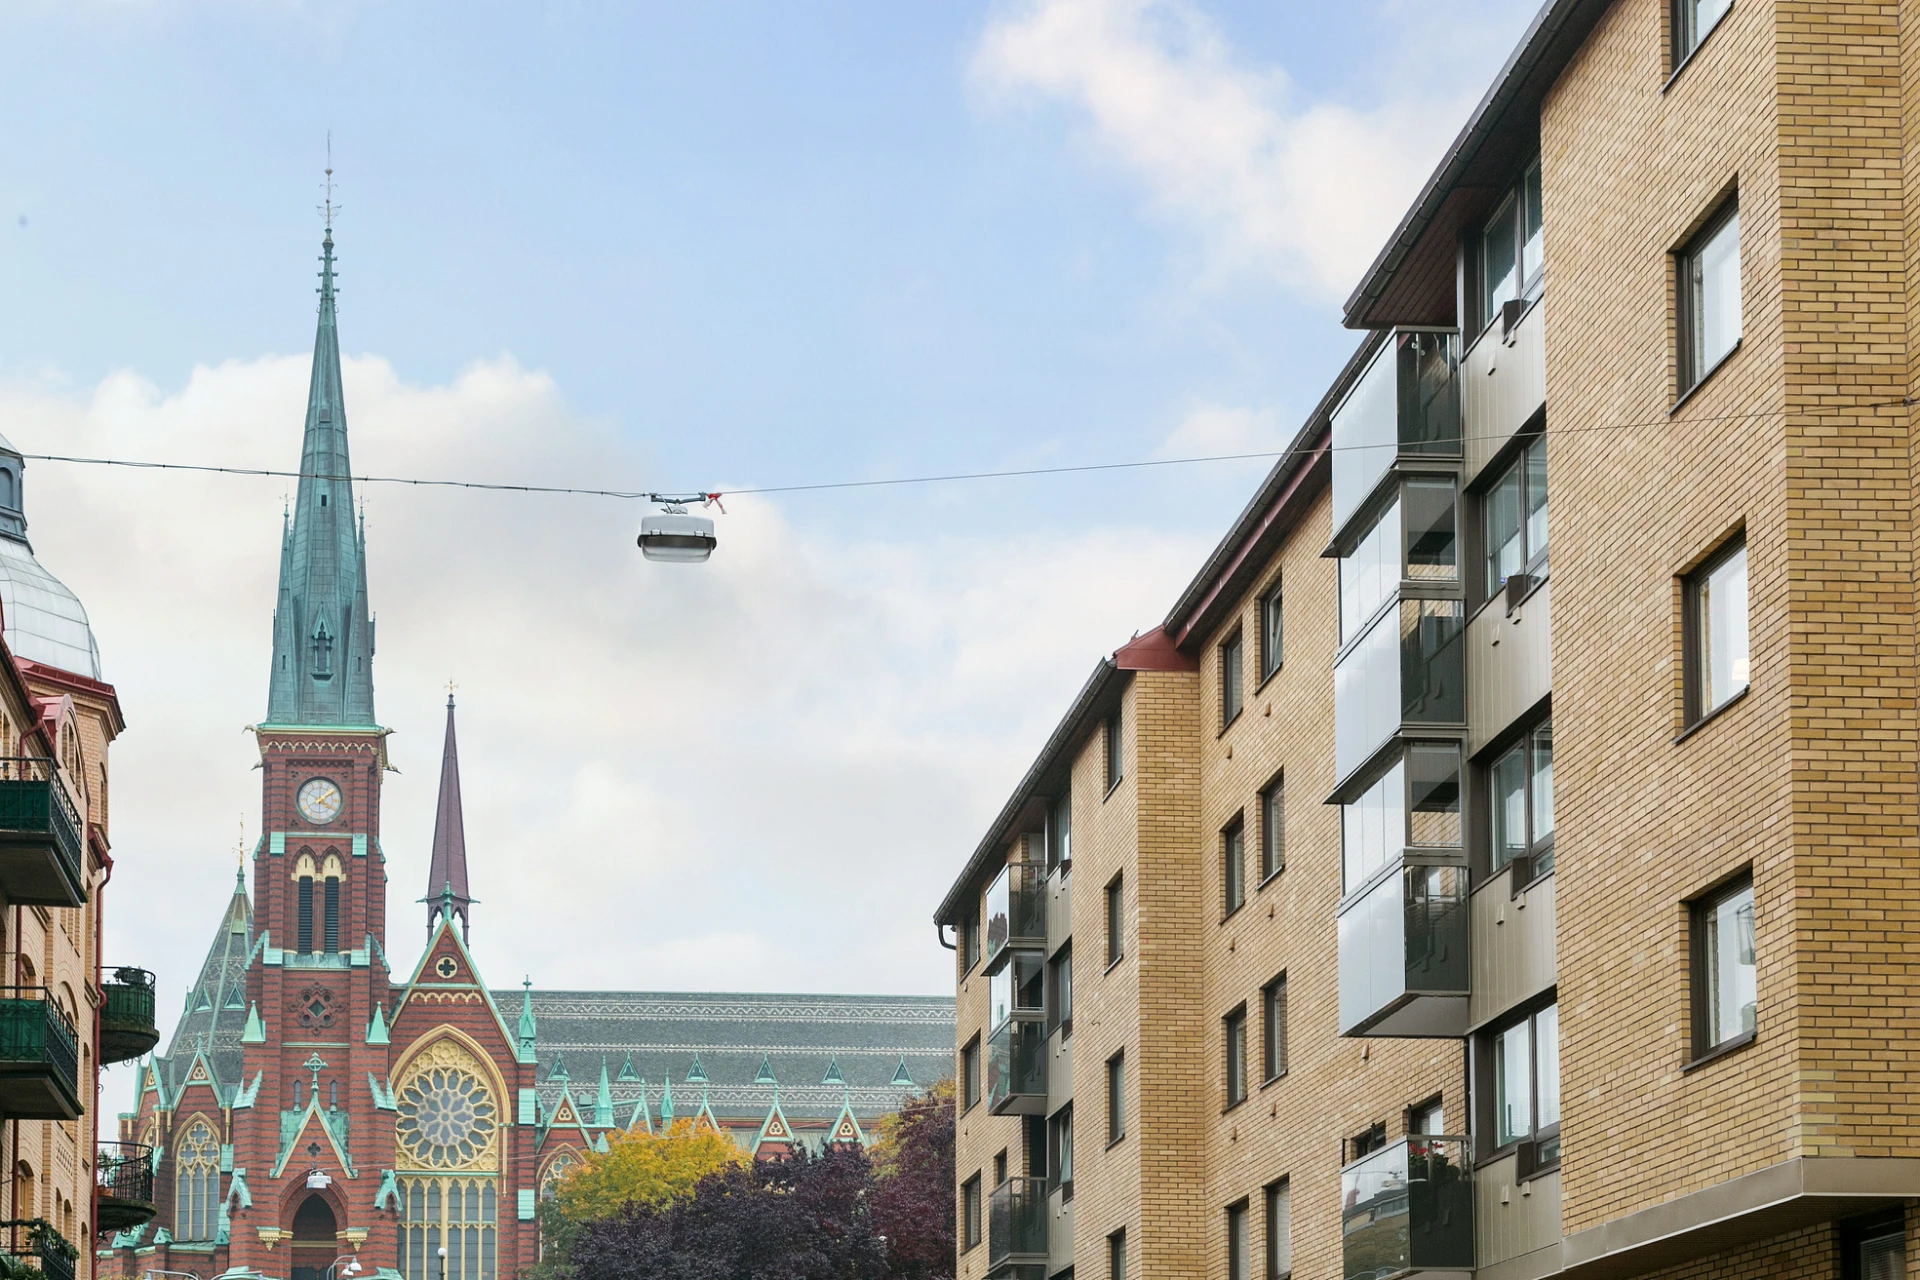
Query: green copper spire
x=603, y=1101
x=322, y=630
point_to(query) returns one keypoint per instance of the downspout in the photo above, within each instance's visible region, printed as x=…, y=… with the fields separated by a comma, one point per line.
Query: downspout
x=940, y=932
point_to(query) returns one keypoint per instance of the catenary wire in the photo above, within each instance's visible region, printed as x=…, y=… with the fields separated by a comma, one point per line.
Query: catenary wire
x=632, y=494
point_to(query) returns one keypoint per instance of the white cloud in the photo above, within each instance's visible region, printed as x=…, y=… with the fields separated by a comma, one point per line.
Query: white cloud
x=760, y=772
x=1213, y=430
x=1303, y=191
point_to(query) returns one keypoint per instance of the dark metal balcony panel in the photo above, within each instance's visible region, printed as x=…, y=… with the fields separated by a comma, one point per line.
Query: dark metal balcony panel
x=1407, y=1209
x=1503, y=384
x=1018, y=1224
x=127, y=1029
x=1403, y=955
x=40, y=842
x=39, y=1058
x=1017, y=1069
x=37, y=1243
x=124, y=1172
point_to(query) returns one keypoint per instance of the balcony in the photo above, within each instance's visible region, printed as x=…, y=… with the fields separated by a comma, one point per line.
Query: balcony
x=1407, y=670
x=33, y=1242
x=1407, y=1209
x=39, y=1057
x=1017, y=1069
x=127, y=1028
x=1016, y=915
x=1017, y=1230
x=1407, y=403
x=39, y=836
x=124, y=1172
x=1403, y=954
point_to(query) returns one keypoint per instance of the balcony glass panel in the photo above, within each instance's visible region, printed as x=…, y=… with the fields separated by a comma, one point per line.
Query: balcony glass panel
x=1410, y=668
x=1407, y=402
x=1017, y=989
x=1403, y=955
x=1016, y=909
x=1407, y=1207
x=1433, y=661
x=1017, y=1069
x=1433, y=543
x=1373, y=827
x=1017, y=1222
x=1370, y=573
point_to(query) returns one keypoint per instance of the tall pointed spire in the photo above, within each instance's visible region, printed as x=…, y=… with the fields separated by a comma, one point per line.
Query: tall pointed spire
x=447, y=877
x=322, y=631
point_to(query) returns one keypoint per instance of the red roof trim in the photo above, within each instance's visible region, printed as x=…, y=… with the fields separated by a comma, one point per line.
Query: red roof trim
x=1153, y=651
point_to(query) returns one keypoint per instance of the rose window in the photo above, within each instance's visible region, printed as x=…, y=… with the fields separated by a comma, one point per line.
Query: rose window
x=446, y=1118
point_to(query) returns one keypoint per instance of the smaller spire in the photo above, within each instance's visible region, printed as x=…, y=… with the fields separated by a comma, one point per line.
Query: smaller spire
x=447, y=874
x=666, y=1103
x=603, y=1101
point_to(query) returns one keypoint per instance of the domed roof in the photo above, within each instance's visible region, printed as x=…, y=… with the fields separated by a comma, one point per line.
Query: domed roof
x=44, y=620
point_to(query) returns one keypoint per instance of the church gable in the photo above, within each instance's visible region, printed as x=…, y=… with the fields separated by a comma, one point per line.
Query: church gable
x=446, y=988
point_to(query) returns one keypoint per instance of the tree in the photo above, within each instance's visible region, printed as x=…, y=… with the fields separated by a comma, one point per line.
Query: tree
x=637, y=1168
x=798, y=1218
x=913, y=1197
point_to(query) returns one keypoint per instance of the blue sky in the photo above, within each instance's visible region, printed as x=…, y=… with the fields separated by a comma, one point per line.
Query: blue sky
x=688, y=246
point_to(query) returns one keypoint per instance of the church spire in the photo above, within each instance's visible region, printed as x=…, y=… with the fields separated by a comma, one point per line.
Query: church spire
x=447, y=877
x=322, y=632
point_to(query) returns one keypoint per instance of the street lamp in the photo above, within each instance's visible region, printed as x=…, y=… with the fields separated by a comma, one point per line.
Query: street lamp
x=352, y=1268
x=155, y=1271
x=441, y=1252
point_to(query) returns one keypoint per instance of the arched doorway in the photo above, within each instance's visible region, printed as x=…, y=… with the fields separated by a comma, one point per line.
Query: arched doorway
x=315, y=1240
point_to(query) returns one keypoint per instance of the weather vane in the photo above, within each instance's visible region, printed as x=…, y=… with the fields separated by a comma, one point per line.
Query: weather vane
x=240, y=845
x=328, y=208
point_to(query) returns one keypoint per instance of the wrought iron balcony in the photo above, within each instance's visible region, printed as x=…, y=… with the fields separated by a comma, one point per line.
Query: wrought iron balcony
x=1016, y=915
x=36, y=1243
x=1017, y=1069
x=1017, y=1229
x=1403, y=954
x=127, y=1028
x=1407, y=1209
x=39, y=1057
x=124, y=1171
x=39, y=836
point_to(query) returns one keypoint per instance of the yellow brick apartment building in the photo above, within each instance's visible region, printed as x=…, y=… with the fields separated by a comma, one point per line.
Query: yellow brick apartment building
x=1503, y=858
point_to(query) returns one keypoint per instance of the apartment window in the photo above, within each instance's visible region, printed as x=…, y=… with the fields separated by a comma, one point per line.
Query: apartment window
x=1116, y=1098
x=1233, y=865
x=1060, y=991
x=1367, y=1141
x=1060, y=832
x=1060, y=1142
x=1279, y=1230
x=1515, y=514
x=970, y=1074
x=1725, y=975
x=1522, y=828
x=1271, y=635
x=1875, y=1249
x=1692, y=20
x=1428, y=1118
x=1716, y=632
x=1115, y=936
x=1112, y=737
x=1524, y=1058
x=1273, y=1019
x=1117, y=1256
x=1512, y=250
x=1709, y=298
x=969, y=944
x=1000, y=1168
x=1273, y=830
x=1232, y=680
x=1239, y=1246
x=970, y=1213
x=1234, y=1034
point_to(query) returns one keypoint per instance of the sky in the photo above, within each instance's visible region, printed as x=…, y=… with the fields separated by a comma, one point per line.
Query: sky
x=673, y=247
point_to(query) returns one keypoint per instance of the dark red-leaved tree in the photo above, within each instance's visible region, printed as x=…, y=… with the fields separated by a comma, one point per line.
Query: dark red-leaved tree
x=913, y=1204
x=801, y=1218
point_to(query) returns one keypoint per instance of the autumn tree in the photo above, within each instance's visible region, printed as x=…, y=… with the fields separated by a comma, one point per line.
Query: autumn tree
x=651, y=1170
x=913, y=1197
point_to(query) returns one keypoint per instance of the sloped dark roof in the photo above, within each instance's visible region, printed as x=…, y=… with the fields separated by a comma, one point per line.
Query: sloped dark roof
x=800, y=1036
x=216, y=1007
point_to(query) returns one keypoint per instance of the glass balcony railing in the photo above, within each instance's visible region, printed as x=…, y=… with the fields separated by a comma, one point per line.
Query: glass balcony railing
x=124, y=1172
x=1403, y=954
x=1016, y=914
x=1017, y=1069
x=1017, y=1227
x=35, y=1242
x=1407, y=1208
x=39, y=1057
x=1407, y=403
x=1409, y=668
x=39, y=836
x=127, y=1028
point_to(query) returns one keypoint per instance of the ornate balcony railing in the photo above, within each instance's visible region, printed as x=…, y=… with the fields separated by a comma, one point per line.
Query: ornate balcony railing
x=37, y=1243
x=127, y=1027
x=124, y=1171
x=39, y=835
x=39, y=1057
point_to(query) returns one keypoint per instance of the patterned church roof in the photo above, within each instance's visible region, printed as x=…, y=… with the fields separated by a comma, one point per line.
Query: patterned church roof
x=740, y=1039
x=216, y=1004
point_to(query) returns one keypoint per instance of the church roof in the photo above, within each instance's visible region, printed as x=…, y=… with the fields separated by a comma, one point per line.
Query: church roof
x=216, y=1008
x=797, y=1036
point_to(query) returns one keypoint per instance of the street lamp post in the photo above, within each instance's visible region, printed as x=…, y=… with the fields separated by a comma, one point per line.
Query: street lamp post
x=352, y=1268
x=155, y=1271
x=442, y=1254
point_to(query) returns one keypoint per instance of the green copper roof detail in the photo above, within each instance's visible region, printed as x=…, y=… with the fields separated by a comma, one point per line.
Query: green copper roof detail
x=254, y=1032
x=833, y=1075
x=626, y=1069
x=696, y=1074
x=666, y=1103
x=603, y=1101
x=377, y=1028
x=902, y=1076
x=559, y=1071
x=765, y=1075
x=322, y=629
x=528, y=1029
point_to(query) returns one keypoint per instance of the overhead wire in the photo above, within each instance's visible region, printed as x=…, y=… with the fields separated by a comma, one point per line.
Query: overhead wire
x=942, y=478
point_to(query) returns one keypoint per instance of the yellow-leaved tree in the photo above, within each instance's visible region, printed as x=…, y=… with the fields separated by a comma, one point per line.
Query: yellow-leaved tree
x=638, y=1167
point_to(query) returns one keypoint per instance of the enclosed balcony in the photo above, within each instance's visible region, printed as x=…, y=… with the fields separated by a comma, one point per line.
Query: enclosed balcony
x=39, y=1057
x=1407, y=1209
x=1017, y=1069
x=1016, y=911
x=124, y=1172
x=1017, y=1230
x=1404, y=922
x=127, y=1029
x=1405, y=406
x=35, y=1243
x=39, y=836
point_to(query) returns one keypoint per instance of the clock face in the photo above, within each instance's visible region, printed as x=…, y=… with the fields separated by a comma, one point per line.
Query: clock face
x=319, y=801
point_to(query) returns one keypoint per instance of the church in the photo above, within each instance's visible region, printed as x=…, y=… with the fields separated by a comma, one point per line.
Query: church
x=320, y=1112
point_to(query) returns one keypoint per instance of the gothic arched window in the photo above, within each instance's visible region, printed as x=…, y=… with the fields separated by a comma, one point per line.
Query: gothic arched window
x=197, y=1198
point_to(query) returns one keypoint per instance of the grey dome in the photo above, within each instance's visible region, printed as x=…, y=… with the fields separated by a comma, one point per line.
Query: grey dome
x=44, y=621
